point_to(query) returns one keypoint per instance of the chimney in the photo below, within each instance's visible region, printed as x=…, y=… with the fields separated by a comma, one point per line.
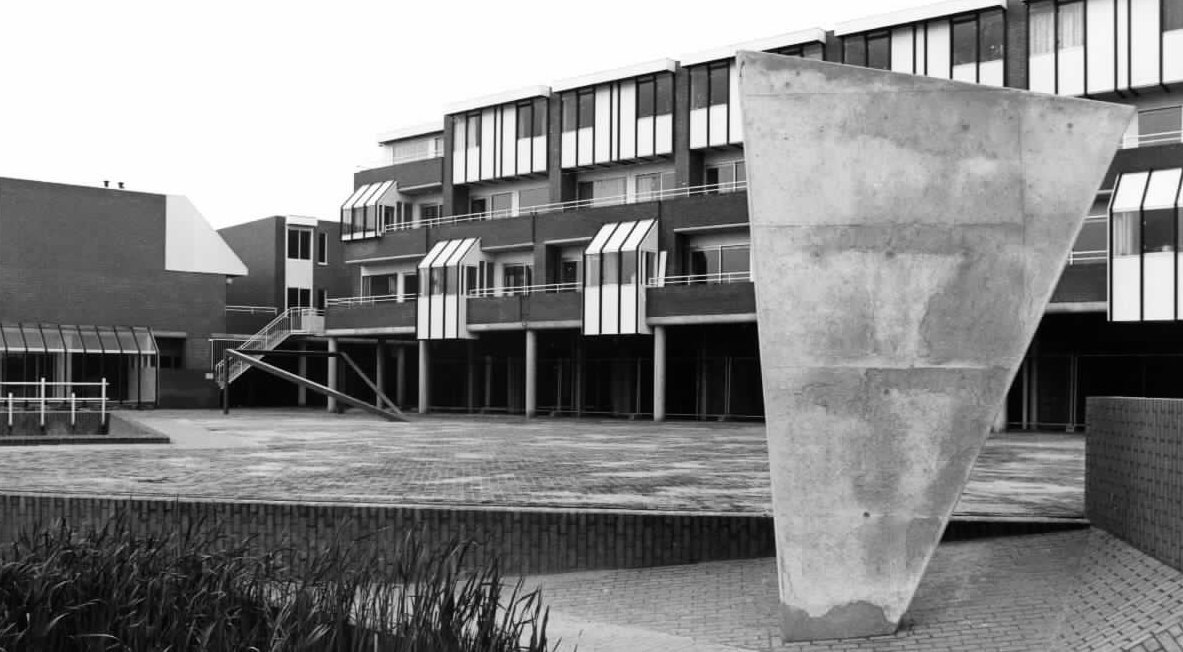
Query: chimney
x=106, y=183
x=121, y=185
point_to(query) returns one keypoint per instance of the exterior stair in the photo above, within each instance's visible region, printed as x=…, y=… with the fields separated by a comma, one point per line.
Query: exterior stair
x=293, y=321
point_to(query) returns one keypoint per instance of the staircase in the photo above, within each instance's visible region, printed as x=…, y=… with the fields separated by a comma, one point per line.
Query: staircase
x=293, y=321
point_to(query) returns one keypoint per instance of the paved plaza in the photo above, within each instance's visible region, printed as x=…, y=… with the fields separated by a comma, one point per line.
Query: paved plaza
x=312, y=455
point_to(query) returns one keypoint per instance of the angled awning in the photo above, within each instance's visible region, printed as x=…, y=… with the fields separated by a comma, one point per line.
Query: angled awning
x=619, y=237
x=54, y=338
x=1148, y=190
x=370, y=194
x=448, y=253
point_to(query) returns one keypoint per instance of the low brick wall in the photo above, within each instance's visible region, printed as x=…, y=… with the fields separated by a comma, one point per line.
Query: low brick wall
x=531, y=541
x=1134, y=473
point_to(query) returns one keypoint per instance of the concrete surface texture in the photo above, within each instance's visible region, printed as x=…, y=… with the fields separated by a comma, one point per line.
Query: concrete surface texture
x=907, y=233
x=292, y=455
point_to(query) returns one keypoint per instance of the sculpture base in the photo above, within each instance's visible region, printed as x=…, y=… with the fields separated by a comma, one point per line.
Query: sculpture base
x=855, y=620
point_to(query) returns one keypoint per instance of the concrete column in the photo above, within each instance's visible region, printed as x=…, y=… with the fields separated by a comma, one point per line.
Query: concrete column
x=470, y=376
x=659, y=373
x=332, y=379
x=380, y=370
x=1000, y=419
x=531, y=373
x=424, y=376
x=400, y=377
x=302, y=370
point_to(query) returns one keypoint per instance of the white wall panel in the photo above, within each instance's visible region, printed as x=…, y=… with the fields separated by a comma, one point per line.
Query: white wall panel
x=1041, y=73
x=734, y=118
x=644, y=137
x=423, y=313
x=991, y=73
x=1123, y=44
x=628, y=306
x=1159, y=286
x=603, y=130
x=939, y=57
x=902, y=51
x=610, y=309
x=629, y=126
x=1172, y=56
x=1071, y=71
x=489, y=127
x=717, y=133
x=966, y=72
x=569, y=138
x=539, y=143
x=1144, y=42
x=524, y=150
x=585, y=147
x=921, y=51
x=473, y=172
x=1102, y=60
x=451, y=312
x=1124, y=301
x=509, y=137
x=437, y=316
x=591, y=309
x=698, y=128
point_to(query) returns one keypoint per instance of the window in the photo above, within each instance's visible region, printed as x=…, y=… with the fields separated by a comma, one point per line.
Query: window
x=322, y=297
x=570, y=112
x=471, y=279
x=1041, y=26
x=879, y=51
x=854, y=51
x=473, y=123
x=584, y=191
x=1172, y=15
x=299, y=298
x=648, y=187
x=502, y=204
x=699, y=95
x=646, y=97
x=172, y=352
x=437, y=281
x=379, y=285
x=725, y=177
x=1126, y=231
x=389, y=218
x=410, y=283
x=1160, y=125
x=300, y=244
x=734, y=258
x=603, y=192
x=539, y=114
x=965, y=42
x=593, y=269
x=525, y=120
x=322, y=248
x=665, y=94
x=992, y=36
x=587, y=108
x=569, y=271
x=720, y=87
x=478, y=205
x=533, y=197
x=405, y=215
x=429, y=211
x=1158, y=230
x=1071, y=21
x=610, y=269
x=516, y=277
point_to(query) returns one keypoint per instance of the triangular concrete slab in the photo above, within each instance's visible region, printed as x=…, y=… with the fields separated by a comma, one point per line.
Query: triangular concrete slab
x=907, y=233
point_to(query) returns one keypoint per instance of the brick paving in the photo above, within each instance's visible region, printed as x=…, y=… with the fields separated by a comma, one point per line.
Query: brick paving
x=312, y=455
x=1081, y=591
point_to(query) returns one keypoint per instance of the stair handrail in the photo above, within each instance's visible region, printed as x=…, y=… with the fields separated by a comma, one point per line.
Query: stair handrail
x=266, y=338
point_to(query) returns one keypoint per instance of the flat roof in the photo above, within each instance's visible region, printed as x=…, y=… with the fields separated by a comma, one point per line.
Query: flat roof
x=504, y=97
x=402, y=133
x=816, y=34
x=657, y=65
x=913, y=15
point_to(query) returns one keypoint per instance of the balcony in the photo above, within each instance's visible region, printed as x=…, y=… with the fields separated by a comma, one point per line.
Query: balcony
x=372, y=312
x=697, y=296
x=1135, y=141
x=531, y=304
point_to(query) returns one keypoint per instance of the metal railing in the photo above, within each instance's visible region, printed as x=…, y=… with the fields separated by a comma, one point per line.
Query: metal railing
x=1146, y=140
x=519, y=290
x=578, y=204
x=253, y=310
x=293, y=321
x=1091, y=256
x=354, y=302
x=42, y=403
x=701, y=279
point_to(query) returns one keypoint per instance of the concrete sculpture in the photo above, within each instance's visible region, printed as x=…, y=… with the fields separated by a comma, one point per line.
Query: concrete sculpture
x=907, y=233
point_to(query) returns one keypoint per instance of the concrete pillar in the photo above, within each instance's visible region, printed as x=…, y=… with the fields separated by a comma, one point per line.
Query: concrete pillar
x=332, y=379
x=302, y=370
x=424, y=376
x=380, y=370
x=659, y=373
x=470, y=376
x=1000, y=419
x=400, y=377
x=531, y=373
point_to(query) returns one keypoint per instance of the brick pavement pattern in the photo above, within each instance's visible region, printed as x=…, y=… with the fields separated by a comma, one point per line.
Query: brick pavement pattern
x=312, y=455
x=1081, y=590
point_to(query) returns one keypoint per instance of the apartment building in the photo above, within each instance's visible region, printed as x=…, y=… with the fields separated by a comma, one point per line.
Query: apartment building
x=582, y=247
x=108, y=285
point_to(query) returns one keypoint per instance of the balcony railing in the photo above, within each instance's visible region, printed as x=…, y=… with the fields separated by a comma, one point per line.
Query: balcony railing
x=701, y=279
x=1091, y=256
x=399, y=160
x=1148, y=140
x=358, y=302
x=578, y=204
x=43, y=397
x=252, y=310
x=517, y=290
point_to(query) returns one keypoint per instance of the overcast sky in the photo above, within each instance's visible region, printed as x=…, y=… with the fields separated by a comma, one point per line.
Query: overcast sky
x=255, y=108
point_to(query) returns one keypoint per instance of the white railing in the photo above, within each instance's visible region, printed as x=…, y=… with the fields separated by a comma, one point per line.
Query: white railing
x=354, y=302
x=560, y=207
x=293, y=321
x=41, y=402
x=252, y=310
x=510, y=291
x=701, y=279
x=1146, y=140
x=1090, y=256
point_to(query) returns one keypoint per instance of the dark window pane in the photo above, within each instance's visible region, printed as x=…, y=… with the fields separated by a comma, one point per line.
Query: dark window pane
x=502, y=204
x=992, y=35
x=1160, y=125
x=611, y=268
x=1041, y=22
x=569, y=271
x=587, y=108
x=470, y=278
x=429, y=211
x=814, y=51
x=525, y=120
x=698, y=88
x=322, y=248
x=665, y=94
x=720, y=88
x=964, y=42
x=1172, y=15
x=478, y=205
x=474, y=130
x=1126, y=232
x=305, y=245
x=539, y=113
x=628, y=268
x=410, y=283
x=735, y=259
x=1158, y=230
x=879, y=51
x=854, y=51
x=593, y=270
x=570, y=111
x=293, y=243
x=585, y=190
x=645, y=97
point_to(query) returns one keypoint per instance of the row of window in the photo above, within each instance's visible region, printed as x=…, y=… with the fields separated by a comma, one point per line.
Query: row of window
x=300, y=245
x=302, y=298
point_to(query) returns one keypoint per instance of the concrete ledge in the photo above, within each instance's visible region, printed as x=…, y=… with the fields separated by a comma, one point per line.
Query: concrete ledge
x=51, y=440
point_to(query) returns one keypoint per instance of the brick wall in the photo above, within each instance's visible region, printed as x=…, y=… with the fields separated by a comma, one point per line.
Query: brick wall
x=1134, y=473
x=526, y=541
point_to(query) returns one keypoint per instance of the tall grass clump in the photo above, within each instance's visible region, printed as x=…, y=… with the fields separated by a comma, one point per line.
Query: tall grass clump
x=110, y=589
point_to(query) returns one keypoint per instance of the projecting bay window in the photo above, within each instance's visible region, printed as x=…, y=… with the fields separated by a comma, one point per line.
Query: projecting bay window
x=1080, y=47
x=615, y=263
x=715, y=118
x=619, y=120
x=500, y=141
x=1144, y=273
x=444, y=283
x=968, y=46
x=368, y=210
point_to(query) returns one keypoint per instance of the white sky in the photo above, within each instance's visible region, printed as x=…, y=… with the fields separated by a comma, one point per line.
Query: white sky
x=260, y=107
